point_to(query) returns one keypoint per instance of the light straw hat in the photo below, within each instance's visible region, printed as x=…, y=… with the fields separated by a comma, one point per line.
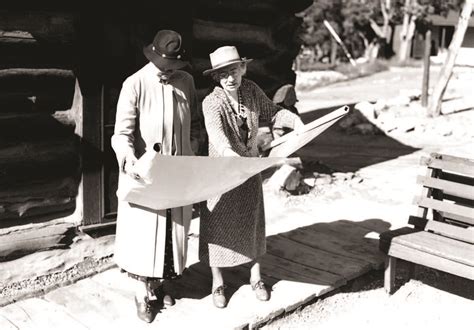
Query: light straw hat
x=224, y=56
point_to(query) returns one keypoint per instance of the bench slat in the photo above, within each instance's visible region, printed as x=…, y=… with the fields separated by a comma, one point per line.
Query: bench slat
x=450, y=166
x=454, y=210
x=444, y=247
x=451, y=188
x=458, y=219
x=430, y=260
x=450, y=158
x=459, y=233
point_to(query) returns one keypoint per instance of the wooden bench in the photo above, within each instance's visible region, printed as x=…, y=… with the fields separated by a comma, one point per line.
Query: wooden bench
x=442, y=236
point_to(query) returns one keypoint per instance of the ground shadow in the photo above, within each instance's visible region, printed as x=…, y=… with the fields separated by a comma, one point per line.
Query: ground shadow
x=325, y=254
x=347, y=150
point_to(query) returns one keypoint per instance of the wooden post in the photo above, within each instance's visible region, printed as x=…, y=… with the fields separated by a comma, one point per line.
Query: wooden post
x=443, y=38
x=426, y=70
x=333, y=51
x=447, y=70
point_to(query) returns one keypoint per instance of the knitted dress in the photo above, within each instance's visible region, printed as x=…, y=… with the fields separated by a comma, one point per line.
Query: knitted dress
x=232, y=226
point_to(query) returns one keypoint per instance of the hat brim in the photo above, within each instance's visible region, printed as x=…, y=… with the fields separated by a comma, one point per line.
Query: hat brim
x=162, y=62
x=223, y=65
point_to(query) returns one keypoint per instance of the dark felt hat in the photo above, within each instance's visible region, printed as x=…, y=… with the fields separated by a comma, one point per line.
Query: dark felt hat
x=166, y=51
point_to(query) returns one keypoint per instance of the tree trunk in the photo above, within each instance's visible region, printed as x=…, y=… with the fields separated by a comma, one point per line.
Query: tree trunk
x=447, y=70
x=408, y=30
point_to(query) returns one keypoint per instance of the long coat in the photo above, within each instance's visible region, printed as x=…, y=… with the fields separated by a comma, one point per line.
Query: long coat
x=232, y=226
x=150, y=112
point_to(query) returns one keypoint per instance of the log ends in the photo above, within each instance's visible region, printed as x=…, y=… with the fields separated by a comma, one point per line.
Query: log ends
x=15, y=244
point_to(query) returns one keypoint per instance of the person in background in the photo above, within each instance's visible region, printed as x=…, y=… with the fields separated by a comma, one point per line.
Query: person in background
x=157, y=109
x=232, y=226
x=285, y=97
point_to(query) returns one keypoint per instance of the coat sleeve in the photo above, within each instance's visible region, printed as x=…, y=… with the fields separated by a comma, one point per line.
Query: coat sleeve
x=269, y=111
x=125, y=121
x=196, y=118
x=214, y=126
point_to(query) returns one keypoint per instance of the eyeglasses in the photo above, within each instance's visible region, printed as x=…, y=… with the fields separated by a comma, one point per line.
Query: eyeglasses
x=225, y=74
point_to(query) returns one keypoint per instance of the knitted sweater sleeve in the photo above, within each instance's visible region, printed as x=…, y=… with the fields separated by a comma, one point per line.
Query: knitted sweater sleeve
x=214, y=125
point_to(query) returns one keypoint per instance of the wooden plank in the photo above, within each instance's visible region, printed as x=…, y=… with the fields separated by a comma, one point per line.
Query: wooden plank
x=459, y=233
x=451, y=158
x=454, y=210
x=96, y=306
x=48, y=315
x=281, y=246
x=337, y=244
x=281, y=273
x=430, y=260
x=438, y=245
x=347, y=236
x=452, y=188
x=314, y=275
x=37, y=313
x=457, y=219
x=450, y=166
x=6, y=324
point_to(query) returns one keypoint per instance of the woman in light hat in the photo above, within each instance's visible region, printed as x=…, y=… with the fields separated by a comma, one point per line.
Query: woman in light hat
x=232, y=228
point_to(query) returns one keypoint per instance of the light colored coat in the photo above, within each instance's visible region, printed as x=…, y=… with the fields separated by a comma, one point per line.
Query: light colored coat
x=145, y=117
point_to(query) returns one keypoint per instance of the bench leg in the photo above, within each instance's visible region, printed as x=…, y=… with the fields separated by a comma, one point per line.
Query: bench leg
x=412, y=270
x=389, y=275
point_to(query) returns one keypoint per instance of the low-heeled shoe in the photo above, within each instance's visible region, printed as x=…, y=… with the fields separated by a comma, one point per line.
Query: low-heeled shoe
x=218, y=297
x=260, y=290
x=144, y=310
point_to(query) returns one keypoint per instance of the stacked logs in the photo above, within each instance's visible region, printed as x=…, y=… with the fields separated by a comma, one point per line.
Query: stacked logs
x=266, y=31
x=39, y=151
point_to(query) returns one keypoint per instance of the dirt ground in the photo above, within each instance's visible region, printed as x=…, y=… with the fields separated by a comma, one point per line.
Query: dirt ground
x=433, y=299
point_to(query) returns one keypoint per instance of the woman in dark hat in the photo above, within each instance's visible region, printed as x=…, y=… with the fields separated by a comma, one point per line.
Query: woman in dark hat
x=232, y=226
x=157, y=109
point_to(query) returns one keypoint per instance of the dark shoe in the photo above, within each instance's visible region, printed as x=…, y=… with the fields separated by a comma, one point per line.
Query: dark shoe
x=164, y=297
x=144, y=310
x=260, y=290
x=218, y=297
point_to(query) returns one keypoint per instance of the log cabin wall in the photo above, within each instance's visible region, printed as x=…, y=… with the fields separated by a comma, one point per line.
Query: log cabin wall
x=40, y=166
x=60, y=76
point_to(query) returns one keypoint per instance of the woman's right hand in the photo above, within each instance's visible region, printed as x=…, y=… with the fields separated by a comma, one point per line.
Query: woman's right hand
x=129, y=169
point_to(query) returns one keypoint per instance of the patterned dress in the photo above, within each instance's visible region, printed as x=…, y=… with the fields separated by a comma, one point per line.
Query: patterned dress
x=232, y=228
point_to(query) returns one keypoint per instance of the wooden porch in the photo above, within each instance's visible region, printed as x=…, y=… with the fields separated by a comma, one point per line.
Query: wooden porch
x=301, y=264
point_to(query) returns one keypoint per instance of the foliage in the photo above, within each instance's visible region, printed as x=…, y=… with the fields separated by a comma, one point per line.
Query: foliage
x=351, y=20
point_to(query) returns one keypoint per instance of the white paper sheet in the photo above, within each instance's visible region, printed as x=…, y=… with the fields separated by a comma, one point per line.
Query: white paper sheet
x=170, y=181
x=173, y=181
